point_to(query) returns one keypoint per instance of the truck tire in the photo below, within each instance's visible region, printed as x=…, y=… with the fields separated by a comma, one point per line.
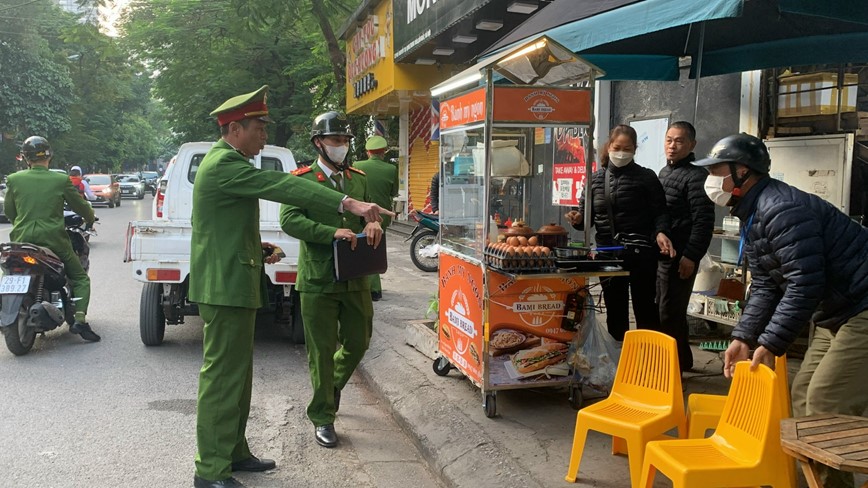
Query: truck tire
x=288, y=318
x=152, y=322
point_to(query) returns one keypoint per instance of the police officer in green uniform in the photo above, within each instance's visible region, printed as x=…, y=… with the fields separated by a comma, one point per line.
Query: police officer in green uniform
x=382, y=188
x=227, y=278
x=34, y=205
x=333, y=312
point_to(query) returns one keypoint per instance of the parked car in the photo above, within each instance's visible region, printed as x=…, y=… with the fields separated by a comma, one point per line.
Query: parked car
x=106, y=188
x=131, y=186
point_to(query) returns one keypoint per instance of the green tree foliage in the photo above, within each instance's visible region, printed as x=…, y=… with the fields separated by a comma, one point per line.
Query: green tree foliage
x=64, y=79
x=208, y=51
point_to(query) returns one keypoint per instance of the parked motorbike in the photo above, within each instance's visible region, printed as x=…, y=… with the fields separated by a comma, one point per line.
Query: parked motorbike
x=424, y=245
x=35, y=296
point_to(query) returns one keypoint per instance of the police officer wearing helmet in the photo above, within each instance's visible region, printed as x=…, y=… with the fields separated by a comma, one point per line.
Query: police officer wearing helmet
x=382, y=186
x=808, y=263
x=34, y=205
x=333, y=312
x=227, y=277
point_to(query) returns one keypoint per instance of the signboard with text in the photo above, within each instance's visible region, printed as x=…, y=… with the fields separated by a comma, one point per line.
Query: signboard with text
x=542, y=105
x=463, y=109
x=419, y=21
x=462, y=325
x=568, y=170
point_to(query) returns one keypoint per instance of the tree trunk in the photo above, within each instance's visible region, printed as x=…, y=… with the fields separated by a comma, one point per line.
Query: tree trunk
x=339, y=60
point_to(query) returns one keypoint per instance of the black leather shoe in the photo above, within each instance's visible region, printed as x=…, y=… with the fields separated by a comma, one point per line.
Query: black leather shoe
x=376, y=295
x=83, y=329
x=337, y=400
x=227, y=483
x=326, y=436
x=253, y=463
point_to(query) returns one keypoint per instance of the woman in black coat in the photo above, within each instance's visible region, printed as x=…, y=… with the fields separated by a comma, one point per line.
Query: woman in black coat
x=637, y=204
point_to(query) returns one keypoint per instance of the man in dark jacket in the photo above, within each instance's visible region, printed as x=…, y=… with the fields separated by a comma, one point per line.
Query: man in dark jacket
x=692, y=215
x=809, y=262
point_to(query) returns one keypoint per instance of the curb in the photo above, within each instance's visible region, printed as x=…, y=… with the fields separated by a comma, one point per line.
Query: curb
x=456, y=448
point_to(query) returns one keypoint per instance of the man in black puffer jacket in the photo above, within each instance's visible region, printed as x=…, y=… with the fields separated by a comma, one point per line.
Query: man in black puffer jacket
x=809, y=262
x=692, y=215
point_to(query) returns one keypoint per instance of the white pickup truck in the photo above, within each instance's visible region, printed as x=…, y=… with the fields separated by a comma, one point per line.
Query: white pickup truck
x=159, y=249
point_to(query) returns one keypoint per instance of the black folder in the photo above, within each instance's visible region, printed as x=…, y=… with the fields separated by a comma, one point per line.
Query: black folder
x=363, y=261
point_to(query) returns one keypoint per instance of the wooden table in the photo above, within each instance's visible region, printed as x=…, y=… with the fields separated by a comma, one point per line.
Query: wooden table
x=839, y=441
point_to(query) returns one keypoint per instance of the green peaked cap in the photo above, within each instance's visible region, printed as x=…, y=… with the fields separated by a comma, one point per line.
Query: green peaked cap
x=375, y=143
x=247, y=106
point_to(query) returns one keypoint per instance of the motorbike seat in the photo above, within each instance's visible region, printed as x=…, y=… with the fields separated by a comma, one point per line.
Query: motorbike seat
x=26, y=246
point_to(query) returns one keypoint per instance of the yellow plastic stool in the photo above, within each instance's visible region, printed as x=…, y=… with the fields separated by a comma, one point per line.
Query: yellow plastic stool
x=745, y=449
x=646, y=400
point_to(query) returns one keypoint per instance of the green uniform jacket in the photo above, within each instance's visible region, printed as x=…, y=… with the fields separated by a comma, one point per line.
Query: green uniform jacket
x=226, y=250
x=316, y=231
x=382, y=183
x=34, y=205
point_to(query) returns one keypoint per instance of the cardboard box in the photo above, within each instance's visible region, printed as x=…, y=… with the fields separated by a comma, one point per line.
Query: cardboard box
x=815, y=94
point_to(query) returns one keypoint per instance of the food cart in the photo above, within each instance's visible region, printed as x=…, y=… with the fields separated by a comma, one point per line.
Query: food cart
x=514, y=151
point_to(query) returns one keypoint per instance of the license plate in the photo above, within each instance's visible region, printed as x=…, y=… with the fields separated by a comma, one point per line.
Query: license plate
x=15, y=284
x=126, y=191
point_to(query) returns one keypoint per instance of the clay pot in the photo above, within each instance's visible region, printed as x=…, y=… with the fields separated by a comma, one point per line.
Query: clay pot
x=519, y=228
x=553, y=235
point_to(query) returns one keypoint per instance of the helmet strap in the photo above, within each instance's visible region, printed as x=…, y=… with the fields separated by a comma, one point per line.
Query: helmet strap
x=737, y=180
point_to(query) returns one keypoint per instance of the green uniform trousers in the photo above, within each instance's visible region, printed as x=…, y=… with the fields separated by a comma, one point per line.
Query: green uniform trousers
x=225, y=385
x=831, y=380
x=374, y=280
x=330, y=318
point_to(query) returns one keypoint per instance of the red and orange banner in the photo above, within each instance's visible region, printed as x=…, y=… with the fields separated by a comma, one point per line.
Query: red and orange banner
x=463, y=109
x=542, y=105
x=462, y=325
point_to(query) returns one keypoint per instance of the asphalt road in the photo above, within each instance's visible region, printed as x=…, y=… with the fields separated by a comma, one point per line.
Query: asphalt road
x=117, y=413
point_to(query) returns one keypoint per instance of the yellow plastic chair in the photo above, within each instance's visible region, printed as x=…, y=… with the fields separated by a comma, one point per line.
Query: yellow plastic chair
x=745, y=449
x=703, y=410
x=646, y=400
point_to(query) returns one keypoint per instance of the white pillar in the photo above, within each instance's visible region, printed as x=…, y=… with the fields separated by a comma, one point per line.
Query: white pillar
x=749, y=108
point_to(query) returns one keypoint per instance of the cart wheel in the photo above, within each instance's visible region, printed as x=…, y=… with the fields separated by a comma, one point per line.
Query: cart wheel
x=442, y=366
x=576, y=398
x=490, y=404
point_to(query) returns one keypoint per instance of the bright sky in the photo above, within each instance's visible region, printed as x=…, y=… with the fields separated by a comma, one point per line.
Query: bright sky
x=109, y=16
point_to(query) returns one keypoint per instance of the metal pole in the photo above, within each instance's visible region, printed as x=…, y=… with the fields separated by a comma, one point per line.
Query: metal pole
x=698, y=71
x=589, y=158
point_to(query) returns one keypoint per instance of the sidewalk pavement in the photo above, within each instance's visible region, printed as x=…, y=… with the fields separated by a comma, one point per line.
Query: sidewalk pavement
x=527, y=444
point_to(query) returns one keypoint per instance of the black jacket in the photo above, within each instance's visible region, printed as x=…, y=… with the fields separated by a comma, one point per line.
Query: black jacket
x=434, y=191
x=808, y=261
x=691, y=211
x=639, y=204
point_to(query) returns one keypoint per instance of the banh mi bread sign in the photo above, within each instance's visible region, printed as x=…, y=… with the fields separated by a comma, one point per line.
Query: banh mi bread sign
x=535, y=359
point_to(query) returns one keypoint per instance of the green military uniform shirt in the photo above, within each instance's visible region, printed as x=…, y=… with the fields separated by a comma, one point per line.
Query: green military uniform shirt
x=382, y=178
x=316, y=231
x=226, y=250
x=34, y=205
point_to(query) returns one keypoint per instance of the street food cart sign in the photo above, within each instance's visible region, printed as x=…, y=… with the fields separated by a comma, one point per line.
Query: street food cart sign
x=461, y=315
x=463, y=109
x=542, y=105
x=568, y=168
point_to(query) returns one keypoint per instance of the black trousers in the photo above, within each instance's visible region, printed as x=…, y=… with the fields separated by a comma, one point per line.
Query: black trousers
x=673, y=295
x=641, y=284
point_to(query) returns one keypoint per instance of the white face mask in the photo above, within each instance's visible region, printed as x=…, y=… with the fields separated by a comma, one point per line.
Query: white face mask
x=336, y=153
x=620, y=158
x=714, y=190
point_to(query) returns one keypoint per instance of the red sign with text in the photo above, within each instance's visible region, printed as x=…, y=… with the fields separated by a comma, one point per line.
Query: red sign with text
x=542, y=105
x=463, y=109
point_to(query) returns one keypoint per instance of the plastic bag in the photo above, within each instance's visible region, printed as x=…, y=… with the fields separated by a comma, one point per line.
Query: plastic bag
x=594, y=353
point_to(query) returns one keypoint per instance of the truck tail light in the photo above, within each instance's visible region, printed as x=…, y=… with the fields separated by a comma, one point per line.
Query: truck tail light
x=285, y=277
x=160, y=198
x=157, y=274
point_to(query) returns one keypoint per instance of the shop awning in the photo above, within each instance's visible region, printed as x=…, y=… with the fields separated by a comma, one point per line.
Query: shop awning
x=644, y=39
